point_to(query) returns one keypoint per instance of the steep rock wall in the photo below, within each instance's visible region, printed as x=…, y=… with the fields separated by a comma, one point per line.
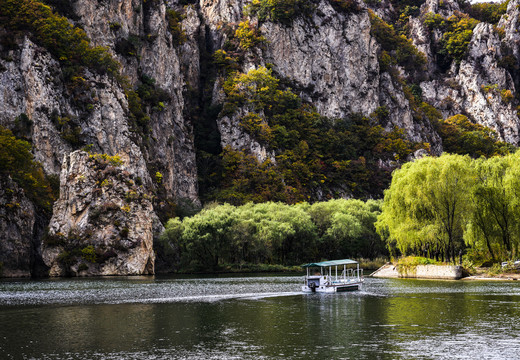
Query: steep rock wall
x=330, y=60
x=17, y=220
x=103, y=223
x=477, y=85
x=169, y=147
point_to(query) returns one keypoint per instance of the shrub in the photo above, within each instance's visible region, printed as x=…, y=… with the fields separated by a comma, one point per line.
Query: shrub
x=69, y=128
x=16, y=160
x=68, y=43
x=248, y=35
x=281, y=11
x=461, y=136
x=89, y=253
x=507, y=95
x=489, y=12
x=256, y=126
x=348, y=6
x=114, y=26
x=158, y=177
x=104, y=159
x=150, y=94
x=174, y=19
x=129, y=46
x=398, y=50
x=23, y=127
x=455, y=41
x=223, y=60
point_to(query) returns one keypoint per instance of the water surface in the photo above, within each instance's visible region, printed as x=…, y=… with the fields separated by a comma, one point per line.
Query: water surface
x=262, y=317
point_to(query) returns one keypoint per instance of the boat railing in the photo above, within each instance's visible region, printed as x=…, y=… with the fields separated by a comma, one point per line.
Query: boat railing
x=348, y=275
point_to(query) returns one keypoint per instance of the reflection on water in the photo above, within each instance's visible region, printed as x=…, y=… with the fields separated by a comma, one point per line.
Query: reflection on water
x=256, y=318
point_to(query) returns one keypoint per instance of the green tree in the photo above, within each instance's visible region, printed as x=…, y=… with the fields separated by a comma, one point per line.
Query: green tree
x=512, y=185
x=346, y=228
x=16, y=160
x=492, y=219
x=426, y=204
x=461, y=136
x=206, y=236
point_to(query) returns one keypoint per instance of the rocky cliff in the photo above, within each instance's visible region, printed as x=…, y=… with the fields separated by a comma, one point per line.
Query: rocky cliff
x=16, y=226
x=103, y=223
x=233, y=100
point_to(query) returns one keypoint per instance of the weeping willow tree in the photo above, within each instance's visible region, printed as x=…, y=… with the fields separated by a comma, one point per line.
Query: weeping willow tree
x=491, y=224
x=511, y=183
x=426, y=206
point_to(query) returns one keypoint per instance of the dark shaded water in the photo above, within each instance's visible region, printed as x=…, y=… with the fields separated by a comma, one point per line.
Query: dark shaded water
x=257, y=318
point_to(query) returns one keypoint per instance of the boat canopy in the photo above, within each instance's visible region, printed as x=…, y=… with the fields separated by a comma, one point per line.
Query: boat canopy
x=331, y=263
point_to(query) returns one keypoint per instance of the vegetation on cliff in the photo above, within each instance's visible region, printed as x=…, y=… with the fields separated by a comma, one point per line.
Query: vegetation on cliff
x=17, y=162
x=438, y=206
x=68, y=43
x=311, y=152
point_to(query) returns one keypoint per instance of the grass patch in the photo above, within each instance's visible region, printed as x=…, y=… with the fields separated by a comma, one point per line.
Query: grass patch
x=408, y=265
x=372, y=264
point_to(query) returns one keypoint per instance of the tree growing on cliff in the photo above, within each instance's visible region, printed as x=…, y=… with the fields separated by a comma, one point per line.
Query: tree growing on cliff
x=16, y=161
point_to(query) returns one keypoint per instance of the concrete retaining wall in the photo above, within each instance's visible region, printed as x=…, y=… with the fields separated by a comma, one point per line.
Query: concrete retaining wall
x=445, y=272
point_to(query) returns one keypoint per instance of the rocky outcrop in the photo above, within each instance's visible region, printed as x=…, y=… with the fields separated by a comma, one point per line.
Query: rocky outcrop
x=17, y=222
x=31, y=85
x=479, y=87
x=103, y=223
x=437, y=272
x=344, y=78
x=172, y=63
x=445, y=8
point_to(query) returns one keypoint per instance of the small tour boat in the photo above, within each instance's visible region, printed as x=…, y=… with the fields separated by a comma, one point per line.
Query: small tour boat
x=324, y=276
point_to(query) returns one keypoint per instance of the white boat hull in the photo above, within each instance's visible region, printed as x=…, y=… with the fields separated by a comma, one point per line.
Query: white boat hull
x=333, y=288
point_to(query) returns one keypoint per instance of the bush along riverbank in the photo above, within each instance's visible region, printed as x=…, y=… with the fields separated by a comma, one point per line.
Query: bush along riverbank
x=263, y=236
x=368, y=265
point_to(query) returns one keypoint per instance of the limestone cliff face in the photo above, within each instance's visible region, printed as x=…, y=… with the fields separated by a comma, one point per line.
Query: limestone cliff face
x=18, y=218
x=330, y=60
x=31, y=85
x=103, y=223
x=478, y=86
x=94, y=109
x=344, y=77
x=156, y=54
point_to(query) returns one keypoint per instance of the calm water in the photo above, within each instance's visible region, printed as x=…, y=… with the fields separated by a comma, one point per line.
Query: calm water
x=256, y=318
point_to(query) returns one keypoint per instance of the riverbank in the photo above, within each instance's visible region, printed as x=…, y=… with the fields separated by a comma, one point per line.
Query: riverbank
x=486, y=274
x=368, y=265
x=442, y=272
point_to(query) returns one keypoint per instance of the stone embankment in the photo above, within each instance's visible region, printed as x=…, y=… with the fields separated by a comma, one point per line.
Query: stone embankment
x=442, y=272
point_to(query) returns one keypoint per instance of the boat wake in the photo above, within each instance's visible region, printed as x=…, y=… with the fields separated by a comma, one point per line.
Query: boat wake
x=204, y=298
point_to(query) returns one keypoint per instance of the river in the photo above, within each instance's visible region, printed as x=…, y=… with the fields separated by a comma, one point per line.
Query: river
x=256, y=317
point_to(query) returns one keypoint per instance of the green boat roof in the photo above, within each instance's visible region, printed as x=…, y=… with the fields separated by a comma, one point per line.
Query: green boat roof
x=331, y=263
